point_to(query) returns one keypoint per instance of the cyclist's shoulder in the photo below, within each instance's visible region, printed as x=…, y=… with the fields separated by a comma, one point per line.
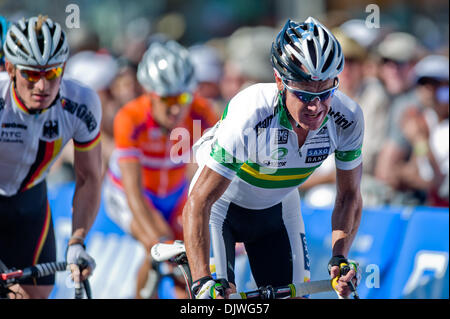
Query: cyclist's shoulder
x=132, y=114
x=257, y=94
x=4, y=77
x=253, y=103
x=76, y=92
x=346, y=106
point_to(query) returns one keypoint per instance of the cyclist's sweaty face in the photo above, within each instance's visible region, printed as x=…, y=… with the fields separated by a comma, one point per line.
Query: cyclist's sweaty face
x=309, y=115
x=36, y=95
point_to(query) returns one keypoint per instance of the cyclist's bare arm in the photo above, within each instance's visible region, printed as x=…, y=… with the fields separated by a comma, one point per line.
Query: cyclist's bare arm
x=86, y=200
x=149, y=225
x=346, y=217
x=347, y=209
x=207, y=189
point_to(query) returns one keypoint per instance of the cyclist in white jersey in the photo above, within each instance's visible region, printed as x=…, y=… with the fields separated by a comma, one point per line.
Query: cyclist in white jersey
x=270, y=140
x=39, y=113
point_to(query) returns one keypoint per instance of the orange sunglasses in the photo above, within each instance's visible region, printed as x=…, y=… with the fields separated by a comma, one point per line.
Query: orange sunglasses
x=182, y=99
x=35, y=74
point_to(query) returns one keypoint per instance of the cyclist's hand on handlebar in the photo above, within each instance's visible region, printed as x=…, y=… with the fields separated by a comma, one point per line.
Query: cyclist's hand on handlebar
x=209, y=288
x=343, y=271
x=76, y=254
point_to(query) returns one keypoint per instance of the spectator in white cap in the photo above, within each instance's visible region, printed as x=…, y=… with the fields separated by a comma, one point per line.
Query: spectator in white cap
x=414, y=161
x=208, y=68
x=398, y=53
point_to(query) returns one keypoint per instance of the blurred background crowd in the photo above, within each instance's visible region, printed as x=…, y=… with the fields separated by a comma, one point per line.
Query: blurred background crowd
x=396, y=68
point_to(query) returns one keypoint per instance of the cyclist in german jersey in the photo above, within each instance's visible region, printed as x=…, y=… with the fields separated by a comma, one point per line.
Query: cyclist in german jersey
x=39, y=113
x=270, y=139
x=147, y=180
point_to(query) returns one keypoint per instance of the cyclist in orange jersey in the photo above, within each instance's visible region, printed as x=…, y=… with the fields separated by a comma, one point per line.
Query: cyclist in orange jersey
x=147, y=180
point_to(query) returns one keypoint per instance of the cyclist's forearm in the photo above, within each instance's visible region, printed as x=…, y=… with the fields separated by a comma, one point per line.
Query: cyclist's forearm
x=345, y=222
x=86, y=202
x=196, y=237
x=146, y=215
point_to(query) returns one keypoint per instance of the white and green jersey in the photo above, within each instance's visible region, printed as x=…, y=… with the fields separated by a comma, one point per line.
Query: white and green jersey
x=255, y=146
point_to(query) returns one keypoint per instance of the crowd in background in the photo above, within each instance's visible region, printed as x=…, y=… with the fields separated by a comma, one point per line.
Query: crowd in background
x=401, y=84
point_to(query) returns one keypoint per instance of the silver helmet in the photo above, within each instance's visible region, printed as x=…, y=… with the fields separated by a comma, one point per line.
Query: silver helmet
x=311, y=45
x=166, y=69
x=37, y=41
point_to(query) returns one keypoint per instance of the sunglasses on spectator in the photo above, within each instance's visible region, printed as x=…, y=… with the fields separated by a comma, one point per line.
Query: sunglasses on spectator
x=306, y=96
x=34, y=74
x=397, y=63
x=182, y=99
x=424, y=80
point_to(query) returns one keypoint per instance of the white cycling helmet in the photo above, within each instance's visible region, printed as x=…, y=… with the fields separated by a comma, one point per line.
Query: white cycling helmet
x=166, y=69
x=37, y=41
x=311, y=45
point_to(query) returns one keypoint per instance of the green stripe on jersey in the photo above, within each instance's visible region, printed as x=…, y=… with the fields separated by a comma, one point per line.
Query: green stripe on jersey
x=252, y=180
x=223, y=157
x=348, y=156
x=261, y=176
x=224, y=114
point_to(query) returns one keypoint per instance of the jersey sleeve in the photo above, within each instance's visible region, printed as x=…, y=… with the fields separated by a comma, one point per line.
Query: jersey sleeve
x=87, y=134
x=348, y=152
x=232, y=139
x=125, y=136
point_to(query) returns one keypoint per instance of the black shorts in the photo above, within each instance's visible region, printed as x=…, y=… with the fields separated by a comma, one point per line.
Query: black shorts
x=274, y=239
x=26, y=231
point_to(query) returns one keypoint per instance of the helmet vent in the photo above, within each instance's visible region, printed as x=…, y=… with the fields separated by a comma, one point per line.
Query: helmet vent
x=316, y=31
x=312, y=52
x=19, y=44
x=327, y=63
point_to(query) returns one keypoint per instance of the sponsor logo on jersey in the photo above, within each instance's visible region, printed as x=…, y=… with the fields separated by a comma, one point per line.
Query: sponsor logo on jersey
x=282, y=136
x=14, y=125
x=323, y=131
x=11, y=134
x=50, y=129
x=266, y=122
x=306, y=262
x=339, y=119
x=279, y=153
x=11, y=137
x=82, y=112
x=263, y=124
x=274, y=163
x=314, y=155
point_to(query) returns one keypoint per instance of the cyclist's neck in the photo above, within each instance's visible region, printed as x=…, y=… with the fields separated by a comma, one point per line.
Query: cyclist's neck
x=27, y=109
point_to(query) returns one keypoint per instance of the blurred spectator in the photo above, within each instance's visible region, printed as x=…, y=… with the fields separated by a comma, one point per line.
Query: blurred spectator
x=208, y=67
x=369, y=92
x=83, y=39
x=357, y=30
x=414, y=161
x=246, y=60
x=125, y=86
x=398, y=51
